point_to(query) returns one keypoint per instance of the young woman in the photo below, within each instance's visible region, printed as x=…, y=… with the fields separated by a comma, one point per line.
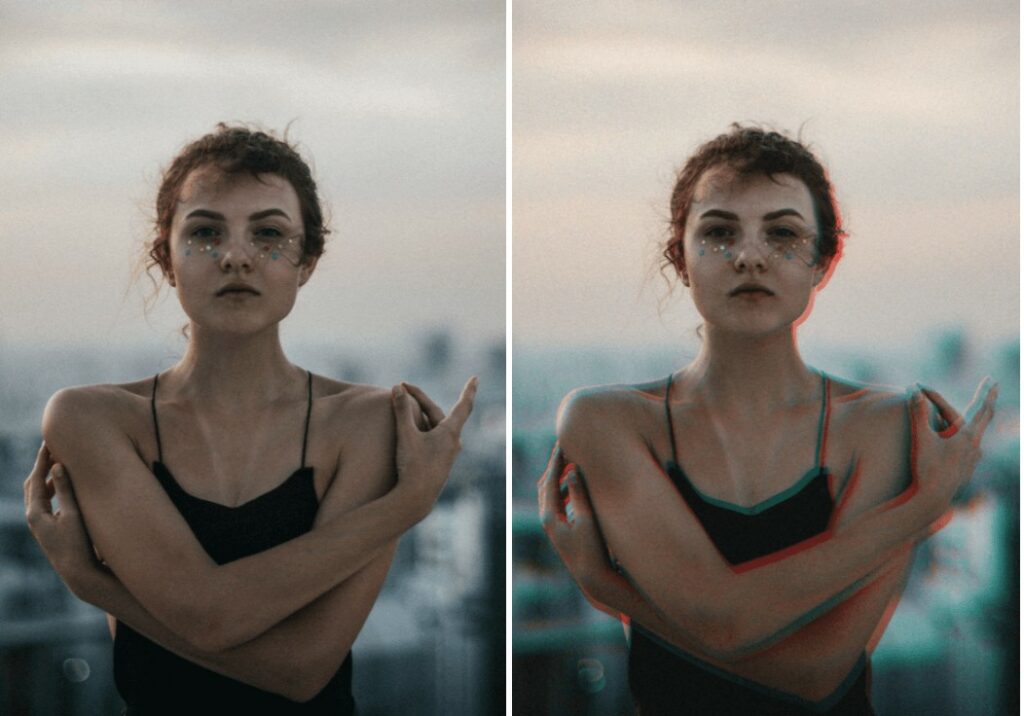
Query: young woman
x=751, y=516
x=243, y=512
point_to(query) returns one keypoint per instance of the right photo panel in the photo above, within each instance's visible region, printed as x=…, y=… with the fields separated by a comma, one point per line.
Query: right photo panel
x=765, y=358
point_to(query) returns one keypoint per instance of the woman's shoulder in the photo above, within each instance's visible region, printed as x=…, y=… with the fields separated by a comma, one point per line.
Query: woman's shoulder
x=353, y=405
x=871, y=424
x=92, y=413
x=867, y=408
x=107, y=400
x=603, y=408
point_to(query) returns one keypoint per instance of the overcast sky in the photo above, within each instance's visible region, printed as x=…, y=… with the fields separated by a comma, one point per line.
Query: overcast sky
x=400, y=106
x=913, y=107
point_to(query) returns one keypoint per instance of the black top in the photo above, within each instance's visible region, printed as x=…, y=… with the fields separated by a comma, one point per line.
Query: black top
x=153, y=680
x=666, y=680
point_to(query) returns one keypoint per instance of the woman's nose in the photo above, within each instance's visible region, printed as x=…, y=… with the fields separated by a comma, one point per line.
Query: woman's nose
x=750, y=255
x=237, y=254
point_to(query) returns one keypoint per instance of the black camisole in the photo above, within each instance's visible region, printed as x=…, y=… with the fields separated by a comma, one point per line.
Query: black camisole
x=153, y=680
x=665, y=679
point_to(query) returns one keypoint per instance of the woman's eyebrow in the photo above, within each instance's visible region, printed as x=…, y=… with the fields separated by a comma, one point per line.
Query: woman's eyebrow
x=268, y=212
x=782, y=212
x=720, y=214
x=206, y=214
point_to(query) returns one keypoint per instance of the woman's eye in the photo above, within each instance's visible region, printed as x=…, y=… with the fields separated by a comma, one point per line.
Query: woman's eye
x=268, y=232
x=782, y=233
x=205, y=232
x=718, y=232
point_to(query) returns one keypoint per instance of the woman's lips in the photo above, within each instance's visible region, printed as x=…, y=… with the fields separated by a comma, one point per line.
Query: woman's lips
x=751, y=290
x=237, y=291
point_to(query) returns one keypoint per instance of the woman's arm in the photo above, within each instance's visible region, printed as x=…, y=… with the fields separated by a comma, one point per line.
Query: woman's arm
x=295, y=658
x=701, y=596
x=155, y=555
x=812, y=662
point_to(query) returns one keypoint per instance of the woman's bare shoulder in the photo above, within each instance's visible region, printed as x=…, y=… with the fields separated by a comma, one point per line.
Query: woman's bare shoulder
x=872, y=409
x=603, y=410
x=108, y=401
x=873, y=423
x=84, y=417
x=354, y=407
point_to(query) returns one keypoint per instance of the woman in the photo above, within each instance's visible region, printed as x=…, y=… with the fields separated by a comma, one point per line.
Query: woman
x=232, y=591
x=752, y=517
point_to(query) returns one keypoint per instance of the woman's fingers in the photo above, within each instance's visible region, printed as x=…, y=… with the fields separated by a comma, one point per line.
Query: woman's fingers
x=948, y=413
x=463, y=406
x=428, y=406
x=982, y=408
x=406, y=411
x=62, y=486
x=919, y=414
x=578, y=494
x=37, y=502
x=551, y=507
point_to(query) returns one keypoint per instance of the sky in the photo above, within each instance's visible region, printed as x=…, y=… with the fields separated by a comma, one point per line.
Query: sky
x=913, y=107
x=400, y=106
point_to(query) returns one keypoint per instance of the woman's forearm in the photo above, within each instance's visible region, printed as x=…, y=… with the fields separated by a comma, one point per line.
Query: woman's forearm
x=793, y=587
x=303, y=569
x=269, y=669
x=294, y=658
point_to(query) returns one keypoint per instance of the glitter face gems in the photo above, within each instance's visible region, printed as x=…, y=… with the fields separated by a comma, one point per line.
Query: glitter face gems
x=263, y=244
x=271, y=244
x=203, y=240
x=775, y=243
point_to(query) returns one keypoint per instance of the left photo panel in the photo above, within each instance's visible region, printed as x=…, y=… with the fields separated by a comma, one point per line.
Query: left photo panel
x=252, y=358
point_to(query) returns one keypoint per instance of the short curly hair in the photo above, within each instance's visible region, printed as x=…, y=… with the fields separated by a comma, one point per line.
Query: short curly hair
x=235, y=149
x=747, y=151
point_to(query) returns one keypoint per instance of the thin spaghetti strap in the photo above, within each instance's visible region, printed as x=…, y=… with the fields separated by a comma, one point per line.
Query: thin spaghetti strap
x=668, y=415
x=156, y=424
x=309, y=410
x=823, y=419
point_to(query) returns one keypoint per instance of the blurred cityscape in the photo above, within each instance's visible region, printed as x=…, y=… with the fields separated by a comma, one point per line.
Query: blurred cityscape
x=435, y=641
x=952, y=645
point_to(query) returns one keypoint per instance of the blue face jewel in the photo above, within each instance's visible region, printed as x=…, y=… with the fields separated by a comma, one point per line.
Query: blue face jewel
x=701, y=252
x=214, y=254
x=188, y=252
x=275, y=255
x=728, y=254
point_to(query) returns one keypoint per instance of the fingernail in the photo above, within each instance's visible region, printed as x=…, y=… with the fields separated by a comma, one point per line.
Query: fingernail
x=399, y=391
x=59, y=471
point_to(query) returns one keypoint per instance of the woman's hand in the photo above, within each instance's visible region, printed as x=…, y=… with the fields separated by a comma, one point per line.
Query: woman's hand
x=428, y=441
x=945, y=460
x=577, y=537
x=62, y=534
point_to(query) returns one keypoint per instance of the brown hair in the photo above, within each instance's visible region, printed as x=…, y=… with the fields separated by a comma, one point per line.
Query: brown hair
x=233, y=150
x=747, y=151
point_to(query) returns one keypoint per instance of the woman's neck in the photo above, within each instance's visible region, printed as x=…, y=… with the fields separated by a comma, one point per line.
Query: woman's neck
x=232, y=371
x=750, y=373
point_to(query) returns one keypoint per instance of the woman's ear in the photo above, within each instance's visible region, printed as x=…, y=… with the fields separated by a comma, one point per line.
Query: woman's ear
x=306, y=269
x=684, y=275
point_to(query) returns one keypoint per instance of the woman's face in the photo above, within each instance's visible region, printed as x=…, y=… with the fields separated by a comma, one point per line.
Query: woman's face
x=236, y=250
x=750, y=258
